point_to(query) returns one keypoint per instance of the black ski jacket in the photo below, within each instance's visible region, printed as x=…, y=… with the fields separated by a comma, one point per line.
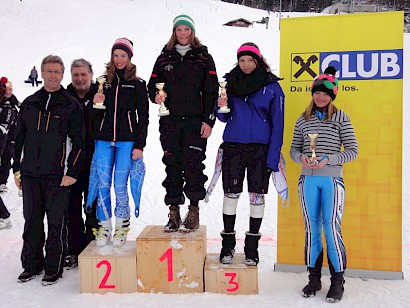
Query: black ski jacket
x=44, y=123
x=190, y=81
x=126, y=115
x=92, y=116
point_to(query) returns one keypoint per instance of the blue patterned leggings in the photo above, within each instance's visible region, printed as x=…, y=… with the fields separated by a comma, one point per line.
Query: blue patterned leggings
x=322, y=201
x=109, y=154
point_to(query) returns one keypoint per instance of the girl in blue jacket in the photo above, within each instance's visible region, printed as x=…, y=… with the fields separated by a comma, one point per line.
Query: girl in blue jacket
x=253, y=139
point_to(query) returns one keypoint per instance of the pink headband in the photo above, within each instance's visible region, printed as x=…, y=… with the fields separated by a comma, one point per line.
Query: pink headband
x=248, y=48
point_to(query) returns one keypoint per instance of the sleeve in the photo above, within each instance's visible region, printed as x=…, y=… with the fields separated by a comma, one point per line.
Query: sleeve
x=209, y=92
x=155, y=77
x=21, y=132
x=296, y=148
x=277, y=115
x=349, y=141
x=76, y=132
x=143, y=116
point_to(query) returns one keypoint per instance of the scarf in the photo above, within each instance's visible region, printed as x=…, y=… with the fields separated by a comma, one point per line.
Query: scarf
x=240, y=84
x=182, y=49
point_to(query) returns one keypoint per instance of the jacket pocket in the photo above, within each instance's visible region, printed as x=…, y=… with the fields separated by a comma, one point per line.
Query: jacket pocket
x=129, y=121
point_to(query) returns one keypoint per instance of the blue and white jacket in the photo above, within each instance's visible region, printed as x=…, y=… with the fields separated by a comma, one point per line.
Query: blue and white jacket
x=257, y=118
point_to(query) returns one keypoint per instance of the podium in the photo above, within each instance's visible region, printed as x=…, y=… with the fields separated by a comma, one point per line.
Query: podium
x=170, y=262
x=232, y=279
x=108, y=269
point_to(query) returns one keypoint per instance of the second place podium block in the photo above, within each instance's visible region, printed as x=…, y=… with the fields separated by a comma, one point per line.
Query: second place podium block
x=170, y=262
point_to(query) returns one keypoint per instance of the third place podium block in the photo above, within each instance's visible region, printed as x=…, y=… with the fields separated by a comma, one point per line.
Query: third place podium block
x=235, y=278
x=170, y=262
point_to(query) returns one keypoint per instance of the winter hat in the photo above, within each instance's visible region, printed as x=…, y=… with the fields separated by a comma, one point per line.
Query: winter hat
x=3, y=82
x=249, y=49
x=183, y=20
x=124, y=44
x=326, y=82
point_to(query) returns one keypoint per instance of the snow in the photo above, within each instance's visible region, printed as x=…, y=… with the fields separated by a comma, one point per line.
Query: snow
x=77, y=28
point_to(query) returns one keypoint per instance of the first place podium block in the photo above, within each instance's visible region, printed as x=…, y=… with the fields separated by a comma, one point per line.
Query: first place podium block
x=108, y=269
x=170, y=262
x=235, y=278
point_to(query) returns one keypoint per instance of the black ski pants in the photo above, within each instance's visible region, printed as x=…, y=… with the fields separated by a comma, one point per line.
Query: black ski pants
x=184, y=152
x=44, y=197
x=80, y=233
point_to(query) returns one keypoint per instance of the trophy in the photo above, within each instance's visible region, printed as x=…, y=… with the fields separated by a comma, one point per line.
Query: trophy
x=312, y=146
x=163, y=110
x=101, y=81
x=223, y=109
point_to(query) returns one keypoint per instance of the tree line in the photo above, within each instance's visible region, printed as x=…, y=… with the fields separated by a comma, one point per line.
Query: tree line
x=316, y=5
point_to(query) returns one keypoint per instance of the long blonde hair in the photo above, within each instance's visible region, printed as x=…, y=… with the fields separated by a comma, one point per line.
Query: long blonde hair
x=129, y=74
x=331, y=109
x=193, y=41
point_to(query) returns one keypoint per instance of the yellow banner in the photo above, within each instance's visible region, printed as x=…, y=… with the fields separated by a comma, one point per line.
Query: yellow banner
x=367, y=51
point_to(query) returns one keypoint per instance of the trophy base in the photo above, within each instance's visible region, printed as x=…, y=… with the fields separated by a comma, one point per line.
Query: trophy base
x=224, y=110
x=99, y=106
x=163, y=113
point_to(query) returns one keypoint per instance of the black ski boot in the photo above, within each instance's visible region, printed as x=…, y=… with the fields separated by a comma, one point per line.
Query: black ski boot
x=174, y=219
x=251, y=248
x=337, y=289
x=315, y=273
x=228, y=247
x=191, y=220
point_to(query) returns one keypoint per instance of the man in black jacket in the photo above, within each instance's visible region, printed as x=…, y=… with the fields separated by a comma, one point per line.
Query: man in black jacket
x=46, y=119
x=80, y=234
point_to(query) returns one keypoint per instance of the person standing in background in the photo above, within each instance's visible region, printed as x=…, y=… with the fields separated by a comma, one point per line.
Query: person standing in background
x=34, y=76
x=80, y=234
x=11, y=103
x=7, y=118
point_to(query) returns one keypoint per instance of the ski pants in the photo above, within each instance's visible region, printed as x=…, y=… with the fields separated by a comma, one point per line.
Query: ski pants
x=184, y=152
x=4, y=213
x=111, y=155
x=5, y=164
x=42, y=196
x=80, y=234
x=322, y=201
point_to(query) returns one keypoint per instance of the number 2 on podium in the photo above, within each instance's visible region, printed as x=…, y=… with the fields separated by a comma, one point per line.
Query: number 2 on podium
x=103, y=283
x=168, y=255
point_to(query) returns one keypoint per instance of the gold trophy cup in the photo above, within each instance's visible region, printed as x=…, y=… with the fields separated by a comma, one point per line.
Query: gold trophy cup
x=163, y=110
x=223, y=109
x=312, y=146
x=101, y=81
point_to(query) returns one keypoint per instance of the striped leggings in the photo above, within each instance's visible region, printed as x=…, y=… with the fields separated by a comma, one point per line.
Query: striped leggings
x=322, y=201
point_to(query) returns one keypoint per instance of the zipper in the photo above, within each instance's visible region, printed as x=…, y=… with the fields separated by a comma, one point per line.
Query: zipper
x=129, y=121
x=115, y=109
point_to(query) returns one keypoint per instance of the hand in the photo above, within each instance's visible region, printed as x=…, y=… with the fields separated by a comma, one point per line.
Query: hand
x=17, y=179
x=320, y=162
x=136, y=153
x=99, y=98
x=67, y=181
x=222, y=101
x=206, y=130
x=160, y=98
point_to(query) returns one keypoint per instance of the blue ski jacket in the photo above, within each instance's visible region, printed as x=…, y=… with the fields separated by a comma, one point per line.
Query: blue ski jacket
x=257, y=118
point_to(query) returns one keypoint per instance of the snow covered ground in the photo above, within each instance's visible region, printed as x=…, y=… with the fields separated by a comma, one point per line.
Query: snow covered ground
x=30, y=30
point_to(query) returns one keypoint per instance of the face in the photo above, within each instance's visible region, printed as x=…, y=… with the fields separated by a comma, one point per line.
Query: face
x=52, y=74
x=321, y=99
x=9, y=92
x=247, y=64
x=120, y=58
x=183, y=34
x=81, y=78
